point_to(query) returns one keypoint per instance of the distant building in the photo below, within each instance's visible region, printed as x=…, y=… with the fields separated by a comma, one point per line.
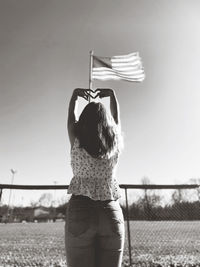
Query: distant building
x=41, y=215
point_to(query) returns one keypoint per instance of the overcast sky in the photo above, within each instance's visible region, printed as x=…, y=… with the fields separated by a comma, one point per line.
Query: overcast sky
x=44, y=55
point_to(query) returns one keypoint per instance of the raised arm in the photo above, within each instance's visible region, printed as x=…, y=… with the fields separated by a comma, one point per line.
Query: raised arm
x=72, y=111
x=114, y=106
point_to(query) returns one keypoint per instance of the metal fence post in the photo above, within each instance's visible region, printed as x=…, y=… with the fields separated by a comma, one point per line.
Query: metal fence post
x=1, y=191
x=128, y=228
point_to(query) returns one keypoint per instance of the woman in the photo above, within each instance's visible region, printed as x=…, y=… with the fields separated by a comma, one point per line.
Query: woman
x=94, y=230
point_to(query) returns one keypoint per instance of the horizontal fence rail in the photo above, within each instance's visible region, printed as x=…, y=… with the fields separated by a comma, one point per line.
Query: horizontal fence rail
x=123, y=186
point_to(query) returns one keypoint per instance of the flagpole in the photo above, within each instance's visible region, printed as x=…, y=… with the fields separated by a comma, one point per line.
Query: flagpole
x=90, y=71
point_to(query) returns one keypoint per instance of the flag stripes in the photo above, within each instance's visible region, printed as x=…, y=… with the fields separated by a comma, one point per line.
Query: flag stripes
x=124, y=67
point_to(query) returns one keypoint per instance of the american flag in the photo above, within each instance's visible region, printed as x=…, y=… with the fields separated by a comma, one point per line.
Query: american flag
x=125, y=67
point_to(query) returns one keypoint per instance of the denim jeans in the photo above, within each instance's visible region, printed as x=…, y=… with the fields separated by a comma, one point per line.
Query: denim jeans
x=94, y=233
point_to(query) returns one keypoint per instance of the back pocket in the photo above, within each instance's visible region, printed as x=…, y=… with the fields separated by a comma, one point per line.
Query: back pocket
x=116, y=218
x=78, y=220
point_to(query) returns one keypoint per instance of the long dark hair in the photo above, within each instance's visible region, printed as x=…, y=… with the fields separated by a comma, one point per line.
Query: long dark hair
x=97, y=131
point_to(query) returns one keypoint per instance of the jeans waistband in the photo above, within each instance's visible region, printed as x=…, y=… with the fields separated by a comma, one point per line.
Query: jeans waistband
x=81, y=197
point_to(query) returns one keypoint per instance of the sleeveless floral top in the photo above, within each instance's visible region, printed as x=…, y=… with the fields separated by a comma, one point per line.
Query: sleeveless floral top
x=93, y=177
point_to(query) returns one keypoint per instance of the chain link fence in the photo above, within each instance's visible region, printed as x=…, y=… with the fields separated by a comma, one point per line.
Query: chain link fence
x=162, y=225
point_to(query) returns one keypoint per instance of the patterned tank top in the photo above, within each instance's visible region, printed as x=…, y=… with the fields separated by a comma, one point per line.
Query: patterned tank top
x=93, y=177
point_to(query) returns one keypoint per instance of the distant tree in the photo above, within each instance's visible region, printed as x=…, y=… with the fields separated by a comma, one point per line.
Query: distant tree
x=46, y=199
x=63, y=199
x=196, y=181
x=33, y=203
x=149, y=200
x=179, y=196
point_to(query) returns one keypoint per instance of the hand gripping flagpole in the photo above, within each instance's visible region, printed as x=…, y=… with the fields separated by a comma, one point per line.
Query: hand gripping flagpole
x=90, y=71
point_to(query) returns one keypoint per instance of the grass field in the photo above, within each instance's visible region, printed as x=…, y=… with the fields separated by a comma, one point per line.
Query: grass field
x=153, y=244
